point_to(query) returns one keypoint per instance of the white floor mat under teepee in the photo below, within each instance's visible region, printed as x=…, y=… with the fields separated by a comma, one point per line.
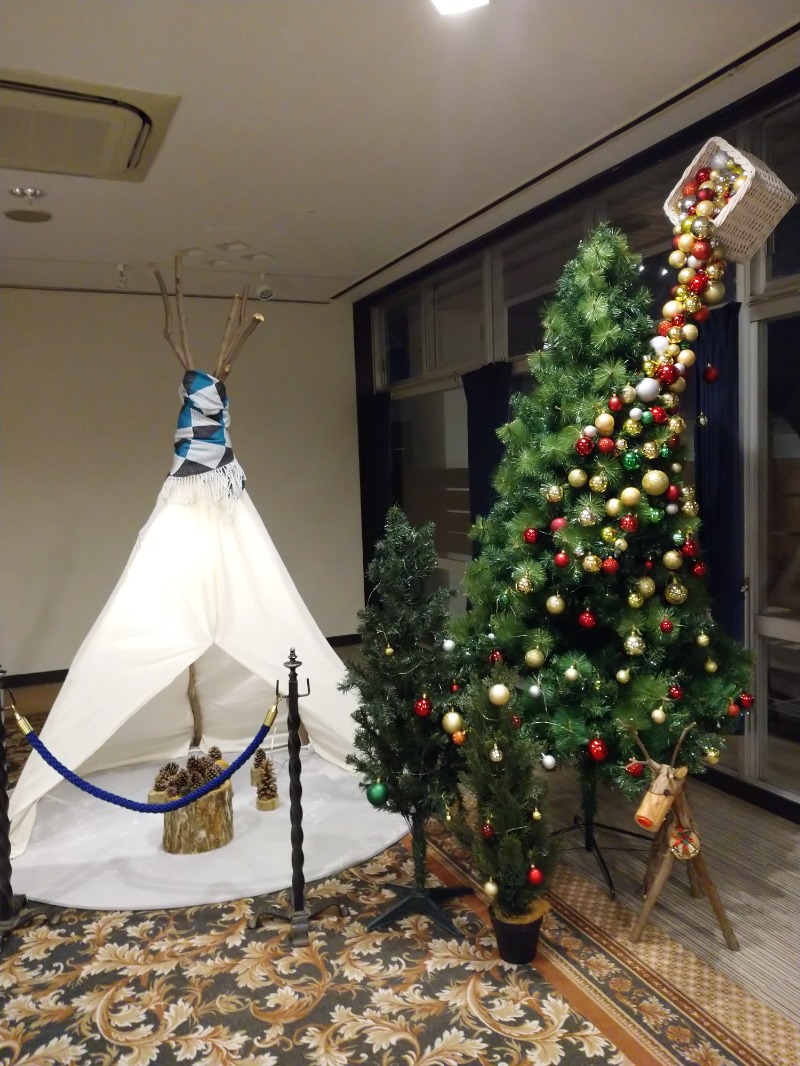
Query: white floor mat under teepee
x=89, y=854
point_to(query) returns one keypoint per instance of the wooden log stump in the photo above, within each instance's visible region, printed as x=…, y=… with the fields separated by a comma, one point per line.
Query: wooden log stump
x=267, y=804
x=201, y=826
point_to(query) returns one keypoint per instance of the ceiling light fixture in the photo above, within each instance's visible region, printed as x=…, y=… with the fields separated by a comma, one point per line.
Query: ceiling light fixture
x=455, y=7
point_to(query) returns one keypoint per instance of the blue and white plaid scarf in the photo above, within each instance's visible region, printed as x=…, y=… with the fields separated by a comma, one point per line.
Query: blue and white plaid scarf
x=204, y=466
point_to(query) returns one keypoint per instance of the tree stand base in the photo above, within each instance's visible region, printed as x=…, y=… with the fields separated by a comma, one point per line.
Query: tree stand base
x=298, y=920
x=420, y=901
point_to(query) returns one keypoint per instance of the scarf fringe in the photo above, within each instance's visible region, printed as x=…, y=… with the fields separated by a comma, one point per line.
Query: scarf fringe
x=223, y=485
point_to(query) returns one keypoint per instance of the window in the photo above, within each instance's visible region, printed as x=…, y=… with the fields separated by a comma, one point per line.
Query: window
x=782, y=154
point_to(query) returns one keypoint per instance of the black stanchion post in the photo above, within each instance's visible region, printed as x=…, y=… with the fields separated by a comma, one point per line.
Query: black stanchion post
x=300, y=916
x=13, y=910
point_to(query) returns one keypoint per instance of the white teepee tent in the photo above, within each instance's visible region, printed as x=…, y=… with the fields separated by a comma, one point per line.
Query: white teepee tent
x=205, y=598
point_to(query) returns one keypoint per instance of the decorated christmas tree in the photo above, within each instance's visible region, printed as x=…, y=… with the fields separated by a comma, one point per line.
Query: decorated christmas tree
x=407, y=732
x=589, y=598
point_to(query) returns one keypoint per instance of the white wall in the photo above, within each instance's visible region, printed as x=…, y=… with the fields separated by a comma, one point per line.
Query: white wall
x=89, y=404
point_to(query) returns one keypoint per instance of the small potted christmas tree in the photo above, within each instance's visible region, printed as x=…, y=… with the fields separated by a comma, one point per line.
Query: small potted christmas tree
x=407, y=729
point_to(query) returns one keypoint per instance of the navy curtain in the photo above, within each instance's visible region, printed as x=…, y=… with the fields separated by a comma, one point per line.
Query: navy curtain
x=375, y=460
x=718, y=455
x=487, y=391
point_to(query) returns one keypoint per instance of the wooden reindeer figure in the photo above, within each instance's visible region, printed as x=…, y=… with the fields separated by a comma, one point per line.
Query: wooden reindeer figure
x=665, y=811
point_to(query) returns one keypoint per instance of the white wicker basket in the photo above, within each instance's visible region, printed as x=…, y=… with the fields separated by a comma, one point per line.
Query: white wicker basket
x=754, y=210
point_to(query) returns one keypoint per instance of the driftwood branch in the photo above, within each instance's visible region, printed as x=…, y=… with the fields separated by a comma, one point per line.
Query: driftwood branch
x=237, y=344
x=182, y=323
x=679, y=745
x=651, y=762
x=170, y=336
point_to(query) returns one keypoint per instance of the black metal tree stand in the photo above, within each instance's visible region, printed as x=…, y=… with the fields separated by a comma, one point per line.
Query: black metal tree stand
x=14, y=911
x=298, y=916
x=588, y=823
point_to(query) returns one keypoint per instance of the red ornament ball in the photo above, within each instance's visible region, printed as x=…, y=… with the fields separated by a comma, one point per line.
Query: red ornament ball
x=710, y=374
x=703, y=174
x=747, y=699
x=487, y=830
x=423, y=706
x=597, y=748
x=454, y=686
x=699, y=569
x=690, y=188
x=558, y=523
x=706, y=194
x=615, y=403
x=629, y=523
x=665, y=625
x=606, y=445
x=664, y=327
x=635, y=769
x=690, y=547
x=701, y=314
x=648, y=564
x=535, y=875
x=734, y=710
x=698, y=284
x=701, y=249
x=530, y=535
x=673, y=493
x=584, y=446
x=516, y=720
x=667, y=374
x=678, y=320
x=458, y=737
x=610, y=565
x=495, y=656
x=561, y=559
x=675, y=692
x=660, y=416
x=673, y=441
x=587, y=620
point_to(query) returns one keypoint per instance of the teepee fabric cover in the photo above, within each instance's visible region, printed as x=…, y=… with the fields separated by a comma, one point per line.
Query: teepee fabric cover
x=204, y=586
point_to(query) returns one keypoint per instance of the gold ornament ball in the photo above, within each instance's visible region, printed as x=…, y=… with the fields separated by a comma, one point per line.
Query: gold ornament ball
x=587, y=517
x=678, y=386
x=496, y=754
x=677, y=258
x=634, y=644
x=671, y=308
x=534, y=657
x=703, y=639
x=655, y=482
x=577, y=478
x=690, y=332
x=605, y=424
x=598, y=483
x=621, y=545
x=388, y=650
x=630, y=496
x=684, y=277
x=715, y=271
x=668, y=401
x=672, y=560
x=555, y=604
x=675, y=592
x=635, y=599
x=691, y=508
x=524, y=585
x=592, y=563
x=621, y=445
x=676, y=424
x=648, y=367
x=680, y=293
x=608, y=534
x=710, y=666
x=711, y=756
x=499, y=695
x=571, y=674
x=452, y=722
x=623, y=676
x=613, y=507
x=715, y=292
x=491, y=889
x=555, y=493
x=631, y=427
x=704, y=209
x=646, y=586
x=536, y=814
x=659, y=715
x=628, y=394
x=650, y=449
x=674, y=333
x=670, y=353
x=685, y=242
x=687, y=357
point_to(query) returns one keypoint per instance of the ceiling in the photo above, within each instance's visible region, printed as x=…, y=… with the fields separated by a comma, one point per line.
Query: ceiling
x=338, y=136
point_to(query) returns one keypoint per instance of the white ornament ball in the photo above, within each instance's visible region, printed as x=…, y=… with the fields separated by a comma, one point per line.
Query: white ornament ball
x=499, y=695
x=535, y=691
x=549, y=762
x=449, y=645
x=590, y=431
x=452, y=722
x=635, y=413
x=491, y=636
x=491, y=889
x=659, y=715
x=659, y=344
x=571, y=674
x=647, y=390
x=672, y=508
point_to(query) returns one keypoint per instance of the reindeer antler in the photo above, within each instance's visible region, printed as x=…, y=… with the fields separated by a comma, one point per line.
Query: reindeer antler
x=651, y=762
x=679, y=745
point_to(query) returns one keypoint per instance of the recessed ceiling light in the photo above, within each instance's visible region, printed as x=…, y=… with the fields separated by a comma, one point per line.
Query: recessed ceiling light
x=454, y=7
x=195, y=253
x=234, y=247
x=28, y=192
x=220, y=263
x=257, y=257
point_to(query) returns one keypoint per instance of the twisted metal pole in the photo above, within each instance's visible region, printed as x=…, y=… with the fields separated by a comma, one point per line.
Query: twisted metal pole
x=7, y=908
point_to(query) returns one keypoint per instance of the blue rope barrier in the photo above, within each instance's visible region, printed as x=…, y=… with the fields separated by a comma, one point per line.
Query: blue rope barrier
x=135, y=805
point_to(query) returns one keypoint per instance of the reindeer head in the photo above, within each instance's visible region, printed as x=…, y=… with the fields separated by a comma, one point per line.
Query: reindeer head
x=667, y=783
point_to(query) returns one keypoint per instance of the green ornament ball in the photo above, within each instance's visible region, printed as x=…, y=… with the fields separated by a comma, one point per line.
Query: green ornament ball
x=632, y=460
x=377, y=793
x=664, y=452
x=647, y=417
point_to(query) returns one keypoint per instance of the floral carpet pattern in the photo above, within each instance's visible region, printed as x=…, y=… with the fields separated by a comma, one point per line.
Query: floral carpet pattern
x=198, y=986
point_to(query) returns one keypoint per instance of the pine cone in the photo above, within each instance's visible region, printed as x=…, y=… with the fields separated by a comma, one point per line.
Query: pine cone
x=162, y=777
x=214, y=752
x=266, y=791
x=193, y=762
x=208, y=770
x=259, y=758
x=178, y=785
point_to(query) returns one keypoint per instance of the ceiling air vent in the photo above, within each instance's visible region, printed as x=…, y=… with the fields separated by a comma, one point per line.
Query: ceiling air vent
x=56, y=126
